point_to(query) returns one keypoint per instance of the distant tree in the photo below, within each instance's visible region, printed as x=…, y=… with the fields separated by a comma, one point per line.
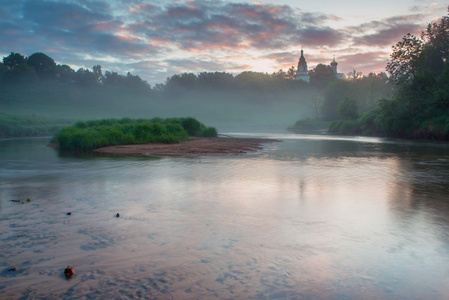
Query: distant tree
x=322, y=75
x=3, y=71
x=85, y=77
x=368, y=90
x=336, y=92
x=44, y=66
x=112, y=79
x=291, y=73
x=136, y=83
x=253, y=80
x=280, y=74
x=180, y=82
x=98, y=73
x=17, y=69
x=65, y=73
x=14, y=61
x=348, y=108
x=215, y=80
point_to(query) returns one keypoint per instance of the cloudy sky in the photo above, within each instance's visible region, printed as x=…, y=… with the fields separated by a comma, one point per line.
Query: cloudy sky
x=156, y=39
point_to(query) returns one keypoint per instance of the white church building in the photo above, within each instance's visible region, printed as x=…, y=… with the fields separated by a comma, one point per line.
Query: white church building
x=302, y=70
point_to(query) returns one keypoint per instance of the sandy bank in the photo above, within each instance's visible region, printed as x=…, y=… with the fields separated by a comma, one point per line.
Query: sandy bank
x=194, y=146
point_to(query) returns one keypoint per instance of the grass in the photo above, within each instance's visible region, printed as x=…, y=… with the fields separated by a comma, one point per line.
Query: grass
x=89, y=135
x=29, y=126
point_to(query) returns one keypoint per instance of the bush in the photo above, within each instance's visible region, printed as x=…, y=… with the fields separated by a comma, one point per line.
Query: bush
x=344, y=127
x=85, y=136
x=209, y=132
x=308, y=125
x=191, y=125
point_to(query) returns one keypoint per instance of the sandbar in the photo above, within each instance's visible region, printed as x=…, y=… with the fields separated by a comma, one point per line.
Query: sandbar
x=193, y=146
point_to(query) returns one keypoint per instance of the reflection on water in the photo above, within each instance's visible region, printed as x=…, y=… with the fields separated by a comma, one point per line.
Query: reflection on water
x=311, y=217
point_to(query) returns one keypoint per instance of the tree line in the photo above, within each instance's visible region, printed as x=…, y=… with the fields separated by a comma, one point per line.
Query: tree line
x=419, y=69
x=16, y=68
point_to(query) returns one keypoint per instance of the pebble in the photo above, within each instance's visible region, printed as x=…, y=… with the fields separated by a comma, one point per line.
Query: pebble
x=68, y=272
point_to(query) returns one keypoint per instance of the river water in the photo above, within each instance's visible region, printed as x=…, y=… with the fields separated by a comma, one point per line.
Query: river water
x=310, y=217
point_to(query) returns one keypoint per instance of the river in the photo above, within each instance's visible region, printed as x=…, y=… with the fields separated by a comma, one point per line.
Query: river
x=311, y=217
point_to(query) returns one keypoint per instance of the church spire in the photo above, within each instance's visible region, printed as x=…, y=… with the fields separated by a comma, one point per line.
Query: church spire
x=334, y=64
x=301, y=72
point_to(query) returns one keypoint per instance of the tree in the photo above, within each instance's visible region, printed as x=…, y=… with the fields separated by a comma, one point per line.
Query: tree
x=335, y=93
x=220, y=80
x=322, y=75
x=65, y=73
x=44, y=66
x=420, y=68
x=97, y=72
x=3, y=71
x=420, y=54
x=291, y=73
x=85, y=77
x=17, y=68
x=14, y=62
x=404, y=59
x=348, y=108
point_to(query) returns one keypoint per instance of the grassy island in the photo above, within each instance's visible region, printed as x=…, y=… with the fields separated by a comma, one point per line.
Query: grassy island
x=89, y=135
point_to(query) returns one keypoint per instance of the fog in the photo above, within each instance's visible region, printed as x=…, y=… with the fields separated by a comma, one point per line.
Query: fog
x=228, y=109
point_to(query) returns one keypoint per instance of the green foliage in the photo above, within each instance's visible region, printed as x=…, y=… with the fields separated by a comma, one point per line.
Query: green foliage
x=85, y=136
x=44, y=66
x=191, y=125
x=344, y=127
x=420, y=109
x=14, y=61
x=17, y=69
x=335, y=93
x=209, y=132
x=322, y=75
x=403, y=64
x=348, y=108
x=308, y=125
x=414, y=55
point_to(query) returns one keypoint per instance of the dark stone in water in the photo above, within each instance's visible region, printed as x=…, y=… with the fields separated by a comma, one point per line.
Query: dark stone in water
x=69, y=213
x=68, y=272
x=117, y=215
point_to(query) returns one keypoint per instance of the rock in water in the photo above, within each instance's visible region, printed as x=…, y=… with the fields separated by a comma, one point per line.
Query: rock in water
x=68, y=272
x=117, y=215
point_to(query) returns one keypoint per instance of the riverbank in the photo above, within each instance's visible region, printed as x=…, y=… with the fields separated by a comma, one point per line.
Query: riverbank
x=193, y=146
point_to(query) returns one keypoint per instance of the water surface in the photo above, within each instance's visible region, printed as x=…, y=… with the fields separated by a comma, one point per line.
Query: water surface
x=319, y=217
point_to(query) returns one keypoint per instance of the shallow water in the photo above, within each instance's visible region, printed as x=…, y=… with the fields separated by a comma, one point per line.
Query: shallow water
x=319, y=217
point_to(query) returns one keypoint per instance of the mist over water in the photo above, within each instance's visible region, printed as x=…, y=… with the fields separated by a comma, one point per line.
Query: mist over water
x=313, y=216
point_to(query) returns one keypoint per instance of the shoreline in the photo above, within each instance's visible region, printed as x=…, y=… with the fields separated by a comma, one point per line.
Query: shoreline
x=193, y=146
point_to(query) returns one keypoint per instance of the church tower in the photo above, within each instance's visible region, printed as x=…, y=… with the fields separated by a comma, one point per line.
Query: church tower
x=301, y=73
x=334, y=65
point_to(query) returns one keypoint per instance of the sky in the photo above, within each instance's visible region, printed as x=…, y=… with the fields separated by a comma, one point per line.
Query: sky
x=156, y=39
